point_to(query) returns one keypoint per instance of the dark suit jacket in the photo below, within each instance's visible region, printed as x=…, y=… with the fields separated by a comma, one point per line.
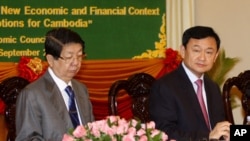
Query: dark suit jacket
x=41, y=113
x=175, y=108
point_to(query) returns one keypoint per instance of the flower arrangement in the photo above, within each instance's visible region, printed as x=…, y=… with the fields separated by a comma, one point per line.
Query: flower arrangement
x=30, y=69
x=114, y=128
x=171, y=61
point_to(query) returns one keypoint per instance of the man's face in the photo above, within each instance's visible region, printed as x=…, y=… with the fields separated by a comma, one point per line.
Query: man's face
x=200, y=55
x=69, y=63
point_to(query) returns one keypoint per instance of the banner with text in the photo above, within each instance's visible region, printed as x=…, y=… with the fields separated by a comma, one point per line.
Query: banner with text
x=113, y=29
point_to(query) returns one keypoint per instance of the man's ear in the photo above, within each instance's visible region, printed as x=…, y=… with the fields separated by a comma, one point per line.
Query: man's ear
x=182, y=51
x=50, y=59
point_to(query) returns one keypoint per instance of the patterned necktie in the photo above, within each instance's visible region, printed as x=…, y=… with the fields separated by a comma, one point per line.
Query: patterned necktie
x=201, y=101
x=72, y=106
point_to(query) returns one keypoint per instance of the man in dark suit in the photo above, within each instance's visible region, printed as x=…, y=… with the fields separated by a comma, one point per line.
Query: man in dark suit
x=174, y=105
x=43, y=106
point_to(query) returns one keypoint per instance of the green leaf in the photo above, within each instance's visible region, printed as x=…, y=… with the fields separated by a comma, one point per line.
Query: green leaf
x=157, y=137
x=70, y=131
x=221, y=67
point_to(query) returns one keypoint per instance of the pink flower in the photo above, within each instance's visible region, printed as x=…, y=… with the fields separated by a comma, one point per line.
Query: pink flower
x=113, y=118
x=151, y=125
x=111, y=132
x=79, y=131
x=96, y=132
x=141, y=132
x=67, y=138
x=132, y=131
x=165, y=137
x=134, y=122
x=121, y=129
x=143, y=138
x=128, y=137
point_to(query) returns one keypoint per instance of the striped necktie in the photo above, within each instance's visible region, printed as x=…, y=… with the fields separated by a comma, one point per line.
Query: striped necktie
x=72, y=106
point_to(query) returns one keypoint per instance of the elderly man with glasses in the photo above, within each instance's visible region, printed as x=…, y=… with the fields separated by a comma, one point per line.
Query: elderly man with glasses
x=55, y=103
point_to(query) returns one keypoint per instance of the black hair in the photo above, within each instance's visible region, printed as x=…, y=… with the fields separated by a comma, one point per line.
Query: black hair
x=200, y=32
x=57, y=38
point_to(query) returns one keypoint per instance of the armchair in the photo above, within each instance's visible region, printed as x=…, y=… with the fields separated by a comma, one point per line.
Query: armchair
x=242, y=83
x=137, y=87
x=9, y=90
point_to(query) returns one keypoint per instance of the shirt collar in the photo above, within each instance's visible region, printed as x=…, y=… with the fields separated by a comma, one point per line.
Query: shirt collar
x=59, y=82
x=192, y=77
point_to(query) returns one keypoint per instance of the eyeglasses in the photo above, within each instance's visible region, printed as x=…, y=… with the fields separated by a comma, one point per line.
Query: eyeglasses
x=71, y=59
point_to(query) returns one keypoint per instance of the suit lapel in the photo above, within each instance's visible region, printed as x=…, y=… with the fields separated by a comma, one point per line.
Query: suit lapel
x=57, y=101
x=191, y=95
x=195, y=104
x=189, y=90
